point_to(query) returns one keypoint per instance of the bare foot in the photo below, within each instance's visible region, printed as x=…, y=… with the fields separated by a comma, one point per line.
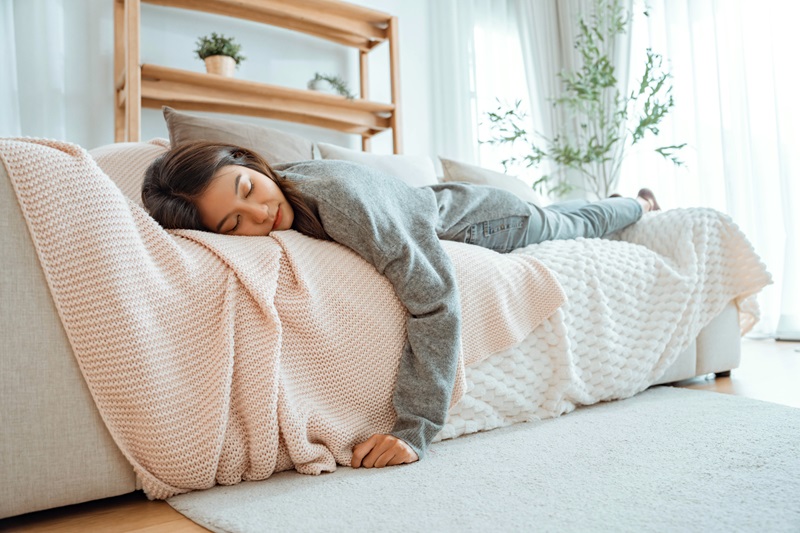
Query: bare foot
x=382, y=450
x=650, y=198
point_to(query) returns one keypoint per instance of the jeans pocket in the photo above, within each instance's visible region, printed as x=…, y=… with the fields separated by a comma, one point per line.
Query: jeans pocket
x=501, y=235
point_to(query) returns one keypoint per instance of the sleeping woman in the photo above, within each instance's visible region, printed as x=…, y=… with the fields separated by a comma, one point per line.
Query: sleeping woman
x=397, y=228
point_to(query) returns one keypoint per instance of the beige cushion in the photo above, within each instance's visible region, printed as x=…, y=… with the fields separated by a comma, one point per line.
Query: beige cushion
x=273, y=145
x=125, y=163
x=416, y=170
x=457, y=171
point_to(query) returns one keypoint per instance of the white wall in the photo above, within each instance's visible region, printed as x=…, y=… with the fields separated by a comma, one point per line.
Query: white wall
x=274, y=56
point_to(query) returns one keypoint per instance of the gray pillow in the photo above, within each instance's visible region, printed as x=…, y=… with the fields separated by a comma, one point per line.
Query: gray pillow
x=273, y=145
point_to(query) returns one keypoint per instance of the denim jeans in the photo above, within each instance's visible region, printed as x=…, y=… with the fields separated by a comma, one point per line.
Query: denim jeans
x=564, y=220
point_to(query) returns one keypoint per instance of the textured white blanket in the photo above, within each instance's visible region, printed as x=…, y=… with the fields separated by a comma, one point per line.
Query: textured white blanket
x=216, y=359
x=632, y=308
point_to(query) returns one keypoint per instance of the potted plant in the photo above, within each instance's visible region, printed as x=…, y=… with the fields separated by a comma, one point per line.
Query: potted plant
x=602, y=123
x=220, y=54
x=325, y=82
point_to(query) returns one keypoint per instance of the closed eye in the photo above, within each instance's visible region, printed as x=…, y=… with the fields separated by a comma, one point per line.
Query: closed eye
x=252, y=186
x=238, y=217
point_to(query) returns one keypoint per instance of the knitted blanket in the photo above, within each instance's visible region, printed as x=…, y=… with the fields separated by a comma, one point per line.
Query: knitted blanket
x=216, y=359
x=632, y=308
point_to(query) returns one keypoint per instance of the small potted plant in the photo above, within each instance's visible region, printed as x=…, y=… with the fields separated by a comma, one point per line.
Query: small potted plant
x=220, y=54
x=325, y=82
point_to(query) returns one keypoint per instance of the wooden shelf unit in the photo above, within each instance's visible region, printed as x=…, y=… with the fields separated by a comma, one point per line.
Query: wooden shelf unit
x=151, y=86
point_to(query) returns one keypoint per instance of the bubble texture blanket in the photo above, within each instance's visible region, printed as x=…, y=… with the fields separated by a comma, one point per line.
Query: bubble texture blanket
x=634, y=304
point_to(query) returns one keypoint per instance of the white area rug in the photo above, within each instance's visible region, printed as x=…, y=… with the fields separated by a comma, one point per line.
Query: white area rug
x=667, y=459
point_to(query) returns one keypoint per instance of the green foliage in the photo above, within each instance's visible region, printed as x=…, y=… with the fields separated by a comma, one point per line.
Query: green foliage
x=601, y=123
x=218, y=45
x=336, y=82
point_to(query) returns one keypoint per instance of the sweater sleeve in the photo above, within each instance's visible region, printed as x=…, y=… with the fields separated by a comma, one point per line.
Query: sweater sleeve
x=393, y=226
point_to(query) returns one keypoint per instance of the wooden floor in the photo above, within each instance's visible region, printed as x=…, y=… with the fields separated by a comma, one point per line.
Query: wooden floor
x=769, y=371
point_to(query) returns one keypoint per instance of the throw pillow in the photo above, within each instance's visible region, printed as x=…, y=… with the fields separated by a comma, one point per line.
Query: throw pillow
x=273, y=145
x=416, y=170
x=457, y=171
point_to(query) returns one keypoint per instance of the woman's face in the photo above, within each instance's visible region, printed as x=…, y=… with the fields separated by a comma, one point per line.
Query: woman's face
x=240, y=201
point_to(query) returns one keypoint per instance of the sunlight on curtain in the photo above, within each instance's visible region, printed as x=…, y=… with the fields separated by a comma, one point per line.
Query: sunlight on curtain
x=34, y=78
x=735, y=82
x=499, y=76
x=9, y=91
x=476, y=59
x=735, y=88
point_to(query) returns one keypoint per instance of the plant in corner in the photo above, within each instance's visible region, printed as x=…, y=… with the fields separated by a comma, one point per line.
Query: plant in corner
x=336, y=83
x=601, y=124
x=220, y=53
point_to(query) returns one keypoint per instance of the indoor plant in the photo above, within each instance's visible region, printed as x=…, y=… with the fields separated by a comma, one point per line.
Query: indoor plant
x=601, y=123
x=321, y=82
x=220, y=54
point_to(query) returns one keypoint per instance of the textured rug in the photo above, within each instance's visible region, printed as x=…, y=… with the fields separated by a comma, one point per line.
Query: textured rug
x=667, y=459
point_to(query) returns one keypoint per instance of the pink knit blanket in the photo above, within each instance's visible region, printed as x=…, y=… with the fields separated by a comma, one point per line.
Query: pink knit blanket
x=216, y=359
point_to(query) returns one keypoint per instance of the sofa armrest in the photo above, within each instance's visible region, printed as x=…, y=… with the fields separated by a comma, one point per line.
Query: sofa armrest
x=54, y=447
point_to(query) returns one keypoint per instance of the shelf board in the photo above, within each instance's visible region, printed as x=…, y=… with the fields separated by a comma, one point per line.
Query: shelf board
x=196, y=91
x=340, y=22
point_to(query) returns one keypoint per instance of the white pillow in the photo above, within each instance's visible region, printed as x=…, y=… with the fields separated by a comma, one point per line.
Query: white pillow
x=125, y=163
x=456, y=171
x=415, y=170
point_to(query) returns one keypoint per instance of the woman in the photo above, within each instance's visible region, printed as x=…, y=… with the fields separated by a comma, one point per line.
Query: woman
x=231, y=190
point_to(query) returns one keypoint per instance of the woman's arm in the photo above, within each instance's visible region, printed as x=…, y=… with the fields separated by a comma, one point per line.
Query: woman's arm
x=393, y=226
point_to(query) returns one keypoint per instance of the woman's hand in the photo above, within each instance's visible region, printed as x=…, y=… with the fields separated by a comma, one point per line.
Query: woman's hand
x=382, y=450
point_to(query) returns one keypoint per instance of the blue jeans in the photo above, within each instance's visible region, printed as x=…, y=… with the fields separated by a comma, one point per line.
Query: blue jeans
x=564, y=220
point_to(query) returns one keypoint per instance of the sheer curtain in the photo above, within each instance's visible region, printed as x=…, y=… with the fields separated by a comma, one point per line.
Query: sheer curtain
x=33, y=81
x=736, y=105
x=476, y=60
x=546, y=30
x=735, y=85
x=9, y=91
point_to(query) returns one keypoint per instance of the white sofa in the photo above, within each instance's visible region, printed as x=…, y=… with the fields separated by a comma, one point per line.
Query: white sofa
x=54, y=447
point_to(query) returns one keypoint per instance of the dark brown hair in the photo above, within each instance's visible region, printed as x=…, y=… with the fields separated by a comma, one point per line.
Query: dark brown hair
x=177, y=178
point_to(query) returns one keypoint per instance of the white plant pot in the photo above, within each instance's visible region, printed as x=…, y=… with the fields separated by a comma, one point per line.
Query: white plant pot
x=220, y=65
x=321, y=86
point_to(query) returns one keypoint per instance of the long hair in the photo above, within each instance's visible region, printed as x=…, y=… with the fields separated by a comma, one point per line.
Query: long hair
x=174, y=181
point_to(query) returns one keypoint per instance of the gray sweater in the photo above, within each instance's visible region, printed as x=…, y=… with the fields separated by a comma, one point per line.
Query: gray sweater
x=397, y=229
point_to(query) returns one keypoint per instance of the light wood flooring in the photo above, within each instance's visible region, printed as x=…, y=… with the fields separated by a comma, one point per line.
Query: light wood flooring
x=769, y=371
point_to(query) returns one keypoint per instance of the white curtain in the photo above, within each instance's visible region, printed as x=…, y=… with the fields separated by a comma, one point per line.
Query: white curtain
x=547, y=30
x=33, y=81
x=9, y=91
x=735, y=81
x=475, y=59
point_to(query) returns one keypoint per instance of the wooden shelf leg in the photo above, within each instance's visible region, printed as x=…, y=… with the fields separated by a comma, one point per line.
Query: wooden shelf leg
x=394, y=69
x=364, y=72
x=133, y=72
x=119, y=68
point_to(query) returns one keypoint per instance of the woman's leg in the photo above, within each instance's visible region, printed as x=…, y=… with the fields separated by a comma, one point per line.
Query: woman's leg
x=567, y=206
x=564, y=220
x=571, y=220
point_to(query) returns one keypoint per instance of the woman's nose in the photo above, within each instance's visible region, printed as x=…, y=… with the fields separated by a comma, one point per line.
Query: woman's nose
x=260, y=213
